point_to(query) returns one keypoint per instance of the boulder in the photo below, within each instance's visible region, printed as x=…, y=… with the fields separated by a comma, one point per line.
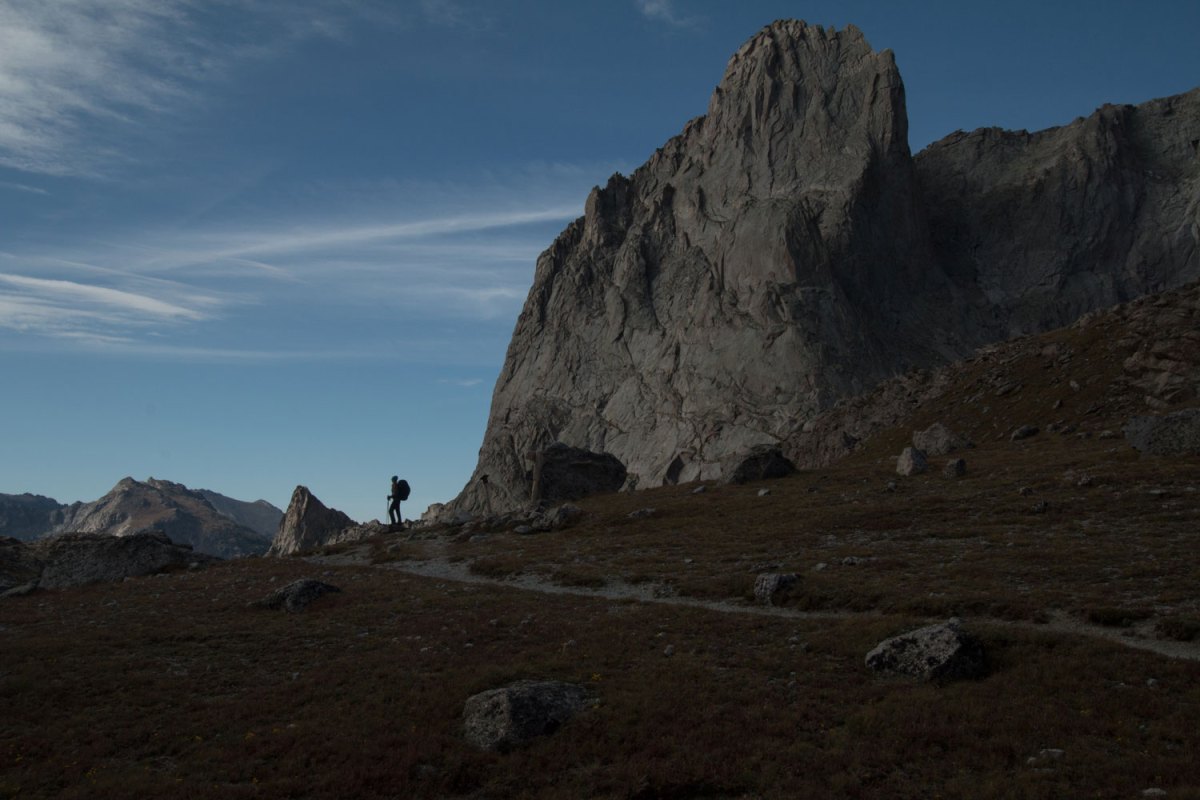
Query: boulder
x=560, y=517
x=306, y=524
x=500, y=719
x=761, y=463
x=18, y=564
x=938, y=440
x=73, y=559
x=955, y=468
x=1023, y=432
x=570, y=473
x=297, y=595
x=911, y=462
x=942, y=652
x=1175, y=434
x=771, y=586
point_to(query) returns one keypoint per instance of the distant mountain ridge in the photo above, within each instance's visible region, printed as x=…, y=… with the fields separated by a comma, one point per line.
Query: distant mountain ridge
x=786, y=250
x=208, y=521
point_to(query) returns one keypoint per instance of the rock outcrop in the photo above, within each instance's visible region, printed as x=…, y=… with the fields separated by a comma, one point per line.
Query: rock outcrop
x=500, y=719
x=184, y=515
x=74, y=559
x=942, y=652
x=786, y=250
x=309, y=523
x=1176, y=434
x=297, y=595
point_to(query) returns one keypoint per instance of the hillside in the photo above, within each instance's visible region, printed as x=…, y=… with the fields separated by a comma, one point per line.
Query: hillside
x=1069, y=554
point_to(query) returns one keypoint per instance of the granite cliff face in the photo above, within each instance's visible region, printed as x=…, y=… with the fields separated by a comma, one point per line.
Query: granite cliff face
x=308, y=523
x=786, y=250
x=1040, y=228
x=156, y=505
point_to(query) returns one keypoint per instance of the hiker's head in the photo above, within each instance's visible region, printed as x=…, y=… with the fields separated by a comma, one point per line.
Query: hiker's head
x=395, y=478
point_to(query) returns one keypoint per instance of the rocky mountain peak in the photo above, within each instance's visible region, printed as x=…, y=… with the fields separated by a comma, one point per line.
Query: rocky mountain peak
x=786, y=250
x=307, y=523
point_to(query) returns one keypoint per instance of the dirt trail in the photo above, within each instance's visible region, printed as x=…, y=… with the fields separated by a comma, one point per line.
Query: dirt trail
x=441, y=568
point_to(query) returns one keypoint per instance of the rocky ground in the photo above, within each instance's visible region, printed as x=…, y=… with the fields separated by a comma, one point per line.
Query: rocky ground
x=695, y=640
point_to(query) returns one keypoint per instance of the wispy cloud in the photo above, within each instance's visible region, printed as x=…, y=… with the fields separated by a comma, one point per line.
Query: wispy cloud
x=21, y=187
x=664, y=11
x=69, y=292
x=71, y=70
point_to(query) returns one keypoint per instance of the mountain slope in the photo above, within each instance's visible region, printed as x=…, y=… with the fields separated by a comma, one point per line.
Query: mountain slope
x=184, y=515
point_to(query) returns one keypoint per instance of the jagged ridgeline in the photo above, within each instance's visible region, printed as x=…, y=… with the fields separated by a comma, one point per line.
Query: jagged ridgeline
x=786, y=250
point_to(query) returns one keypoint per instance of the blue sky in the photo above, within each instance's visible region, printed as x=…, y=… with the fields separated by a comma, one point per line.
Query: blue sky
x=249, y=244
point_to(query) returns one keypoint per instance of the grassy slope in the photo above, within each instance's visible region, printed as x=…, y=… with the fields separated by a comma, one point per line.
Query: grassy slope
x=171, y=686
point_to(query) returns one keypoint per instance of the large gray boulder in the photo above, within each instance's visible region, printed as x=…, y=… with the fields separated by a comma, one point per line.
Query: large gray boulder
x=563, y=473
x=500, y=719
x=18, y=565
x=911, y=462
x=74, y=559
x=308, y=523
x=942, y=652
x=1175, y=434
x=297, y=595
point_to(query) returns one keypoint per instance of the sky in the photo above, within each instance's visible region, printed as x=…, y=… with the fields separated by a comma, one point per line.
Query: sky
x=252, y=244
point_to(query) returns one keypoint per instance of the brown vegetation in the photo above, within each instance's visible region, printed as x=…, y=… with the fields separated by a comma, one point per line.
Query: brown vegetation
x=172, y=686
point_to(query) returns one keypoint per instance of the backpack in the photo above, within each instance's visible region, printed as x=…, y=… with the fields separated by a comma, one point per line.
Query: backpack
x=402, y=490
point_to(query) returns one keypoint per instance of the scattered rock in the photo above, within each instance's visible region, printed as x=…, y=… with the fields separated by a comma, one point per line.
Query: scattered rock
x=1176, y=434
x=501, y=719
x=523, y=529
x=562, y=516
x=19, y=591
x=911, y=462
x=955, y=468
x=1107, y=434
x=669, y=650
x=1023, y=432
x=1155, y=792
x=938, y=440
x=760, y=464
x=940, y=652
x=1046, y=757
x=700, y=489
x=642, y=513
x=297, y=595
x=772, y=586
x=1025, y=491
x=764, y=492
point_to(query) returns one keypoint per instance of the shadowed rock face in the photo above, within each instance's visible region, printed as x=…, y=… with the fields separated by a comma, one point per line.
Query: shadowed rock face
x=785, y=250
x=308, y=523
